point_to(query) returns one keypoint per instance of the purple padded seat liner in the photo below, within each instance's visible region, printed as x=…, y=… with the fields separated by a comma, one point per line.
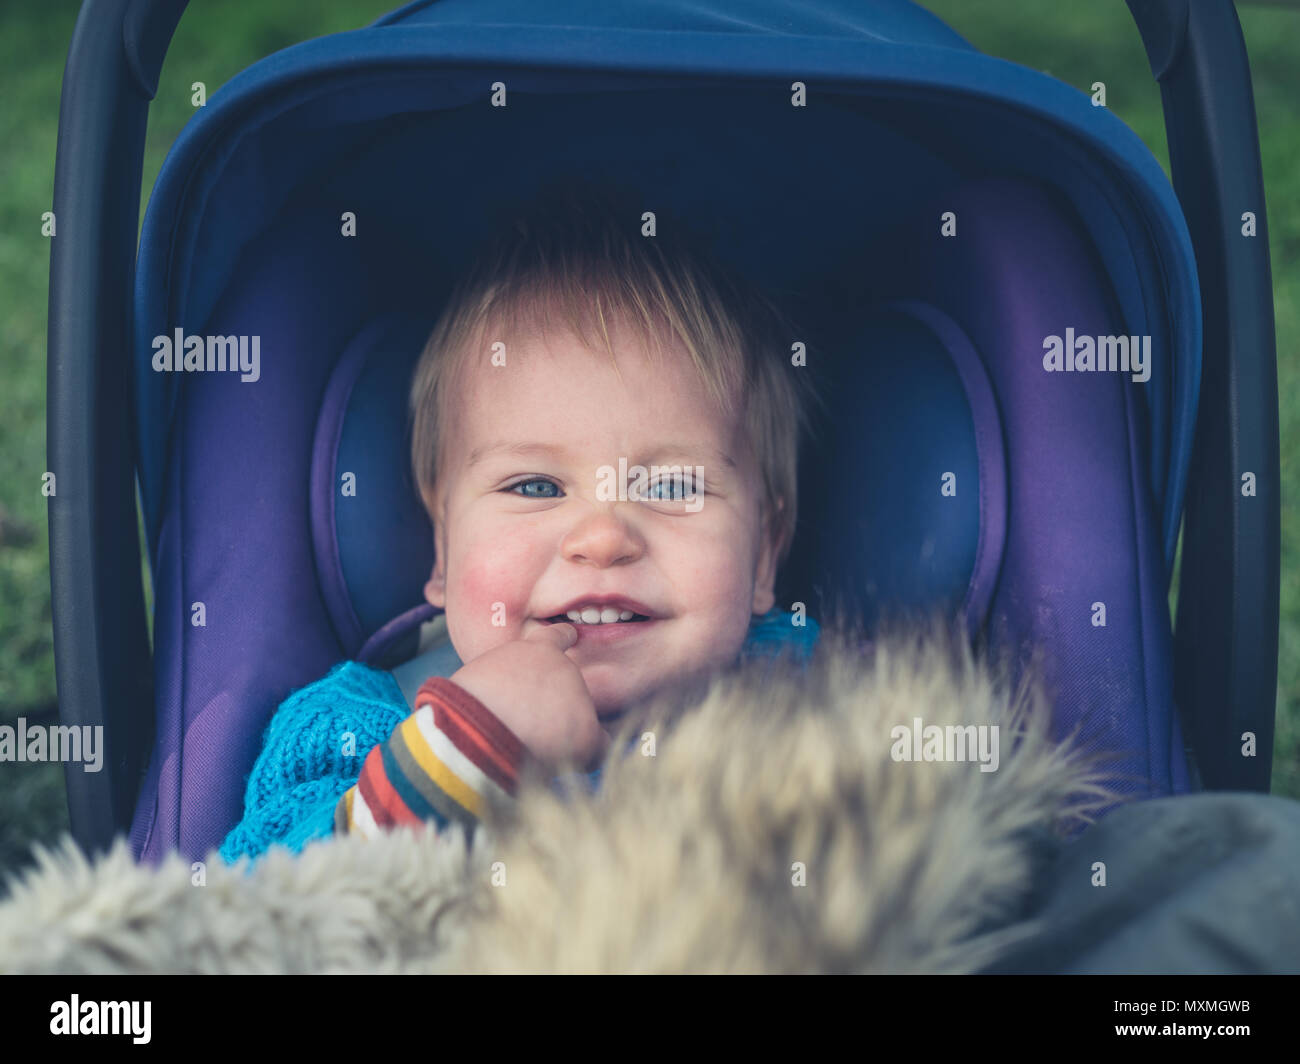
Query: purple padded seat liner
x=251, y=525
x=1081, y=524
x=237, y=533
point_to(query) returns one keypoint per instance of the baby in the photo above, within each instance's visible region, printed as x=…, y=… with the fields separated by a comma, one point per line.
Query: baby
x=605, y=432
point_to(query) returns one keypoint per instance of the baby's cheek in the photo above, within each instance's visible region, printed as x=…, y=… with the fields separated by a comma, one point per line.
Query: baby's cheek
x=715, y=574
x=718, y=587
x=493, y=587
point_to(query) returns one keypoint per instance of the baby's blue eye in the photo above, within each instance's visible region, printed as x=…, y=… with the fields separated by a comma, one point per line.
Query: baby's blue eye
x=681, y=487
x=536, y=482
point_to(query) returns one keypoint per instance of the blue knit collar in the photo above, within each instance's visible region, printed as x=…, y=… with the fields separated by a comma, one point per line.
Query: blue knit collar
x=777, y=631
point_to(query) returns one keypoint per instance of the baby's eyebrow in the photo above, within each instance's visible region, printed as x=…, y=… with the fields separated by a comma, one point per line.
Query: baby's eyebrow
x=519, y=450
x=547, y=450
x=665, y=456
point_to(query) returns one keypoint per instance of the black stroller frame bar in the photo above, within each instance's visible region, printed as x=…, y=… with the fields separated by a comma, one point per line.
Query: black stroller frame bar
x=1225, y=648
x=1226, y=635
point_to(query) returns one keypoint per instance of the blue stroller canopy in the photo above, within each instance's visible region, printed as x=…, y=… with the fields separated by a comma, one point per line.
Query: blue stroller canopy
x=271, y=130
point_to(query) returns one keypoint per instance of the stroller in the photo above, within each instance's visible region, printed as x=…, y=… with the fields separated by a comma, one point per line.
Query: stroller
x=940, y=216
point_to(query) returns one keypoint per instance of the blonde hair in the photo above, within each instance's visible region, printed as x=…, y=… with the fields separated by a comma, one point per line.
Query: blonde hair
x=577, y=253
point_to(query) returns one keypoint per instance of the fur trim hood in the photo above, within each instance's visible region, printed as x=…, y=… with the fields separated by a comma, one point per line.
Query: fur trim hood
x=764, y=824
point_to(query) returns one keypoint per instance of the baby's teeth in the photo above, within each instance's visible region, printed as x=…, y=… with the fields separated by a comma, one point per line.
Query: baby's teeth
x=596, y=615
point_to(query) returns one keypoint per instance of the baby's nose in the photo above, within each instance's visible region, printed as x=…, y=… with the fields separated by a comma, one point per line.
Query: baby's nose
x=602, y=538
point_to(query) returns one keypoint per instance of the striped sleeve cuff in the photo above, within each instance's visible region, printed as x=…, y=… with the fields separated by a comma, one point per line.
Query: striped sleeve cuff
x=439, y=766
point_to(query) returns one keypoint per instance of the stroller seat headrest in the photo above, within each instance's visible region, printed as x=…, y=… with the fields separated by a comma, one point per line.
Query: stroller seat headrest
x=372, y=539
x=903, y=497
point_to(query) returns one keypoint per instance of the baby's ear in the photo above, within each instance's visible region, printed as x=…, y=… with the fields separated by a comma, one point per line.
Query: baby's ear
x=435, y=588
x=769, y=551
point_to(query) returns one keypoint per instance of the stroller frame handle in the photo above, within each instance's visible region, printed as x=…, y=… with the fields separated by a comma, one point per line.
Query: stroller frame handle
x=1226, y=640
x=103, y=661
x=1226, y=636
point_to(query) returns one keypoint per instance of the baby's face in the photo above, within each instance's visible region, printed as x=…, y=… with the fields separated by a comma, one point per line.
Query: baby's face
x=525, y=532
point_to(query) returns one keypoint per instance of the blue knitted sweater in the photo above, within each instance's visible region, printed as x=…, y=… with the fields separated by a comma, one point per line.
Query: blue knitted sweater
x=307, y=763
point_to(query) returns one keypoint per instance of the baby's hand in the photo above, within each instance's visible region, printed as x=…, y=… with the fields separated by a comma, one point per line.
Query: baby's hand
x=539, y=694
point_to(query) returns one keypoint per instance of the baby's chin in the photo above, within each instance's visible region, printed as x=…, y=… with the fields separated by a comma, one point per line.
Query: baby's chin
x=618, y=700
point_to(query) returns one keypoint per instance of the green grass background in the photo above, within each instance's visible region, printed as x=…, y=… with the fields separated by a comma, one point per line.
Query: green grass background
x=1079, y=43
